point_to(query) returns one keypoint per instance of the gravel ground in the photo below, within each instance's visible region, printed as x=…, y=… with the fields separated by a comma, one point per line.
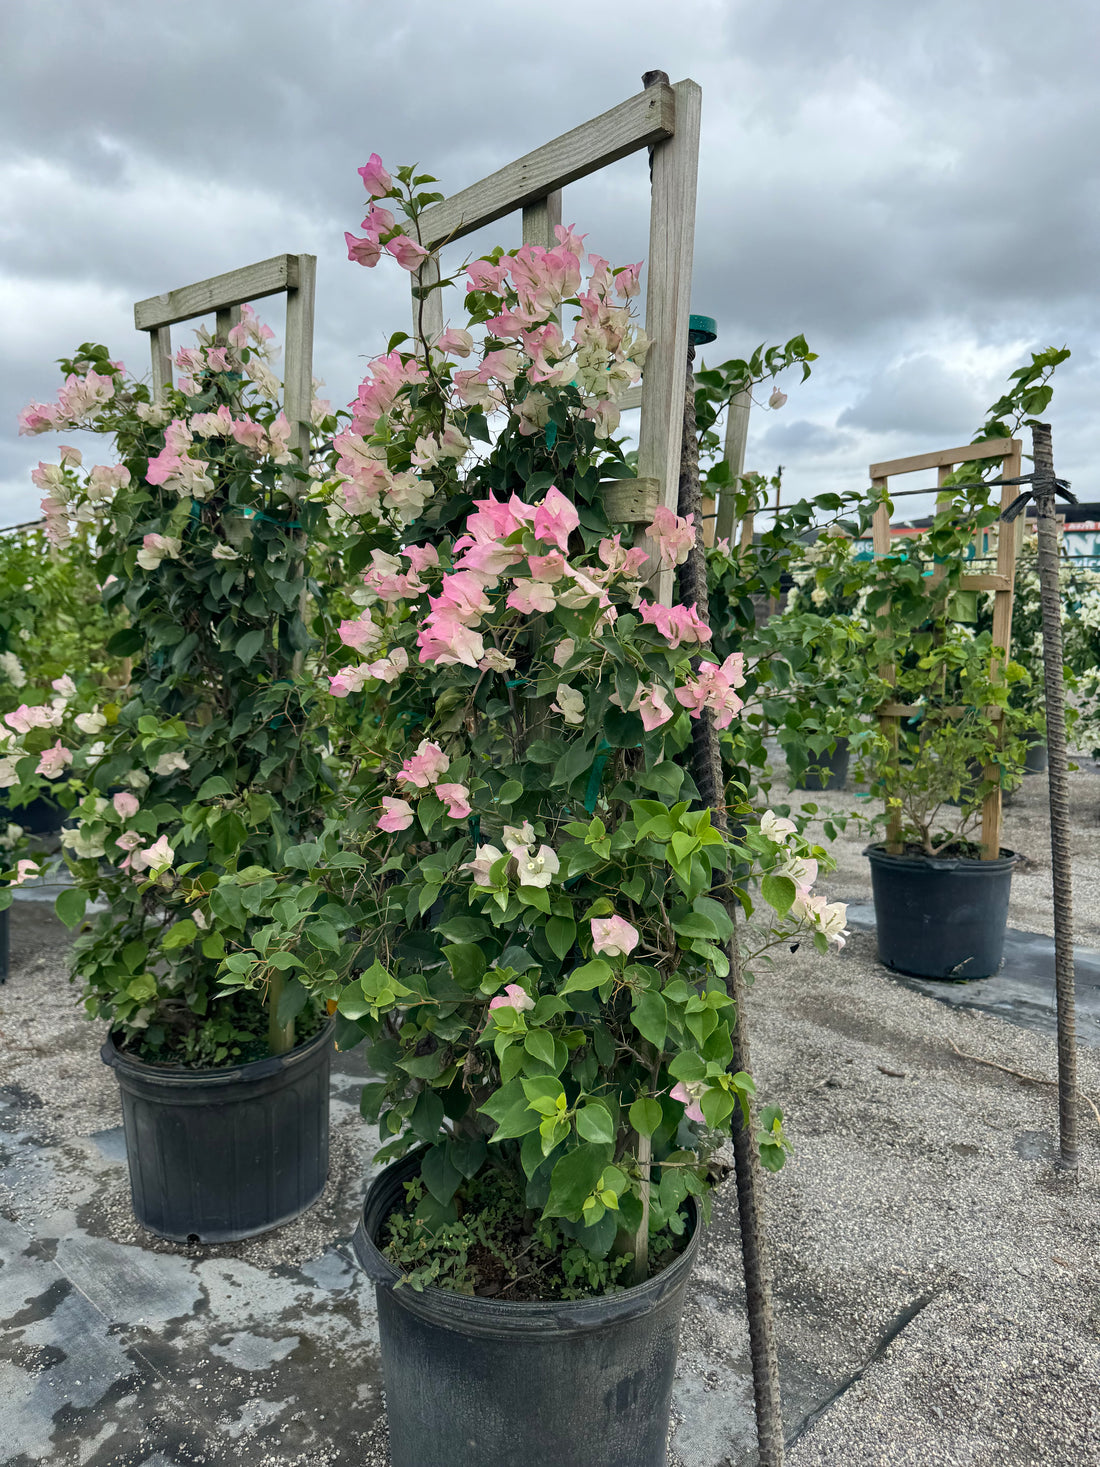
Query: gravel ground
x=936, y=1276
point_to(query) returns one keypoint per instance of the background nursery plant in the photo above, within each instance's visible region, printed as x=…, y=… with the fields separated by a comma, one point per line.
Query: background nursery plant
x=197, y=769
x=516, y=909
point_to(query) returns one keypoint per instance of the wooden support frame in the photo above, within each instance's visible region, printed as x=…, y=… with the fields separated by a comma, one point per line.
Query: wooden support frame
x=1001, y=583
x=292, y=275
x=665, y=119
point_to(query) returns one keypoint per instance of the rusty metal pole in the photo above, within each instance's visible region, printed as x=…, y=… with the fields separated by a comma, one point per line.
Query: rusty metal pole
x=1043, y=490
x=706, y=768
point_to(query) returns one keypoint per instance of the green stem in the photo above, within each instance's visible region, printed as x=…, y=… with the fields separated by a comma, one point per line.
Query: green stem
x=280, y=1037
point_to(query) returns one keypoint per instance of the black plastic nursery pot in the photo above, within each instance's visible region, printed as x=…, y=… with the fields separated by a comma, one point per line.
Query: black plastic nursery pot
x=5, y=944
x=217, y=1155
x=1035, y=760
x=940, y=916
x=829, y=771
x=473, y=1382
x=41, y=816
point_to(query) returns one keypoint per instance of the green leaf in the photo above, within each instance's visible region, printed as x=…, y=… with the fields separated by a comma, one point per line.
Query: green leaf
x=540, y=1045
x=217, y=784
x=248, y=645
x=594, y=1123
x=467, y=962
x=126, y=642
x=588, y=976
x=323, y=936
x=352, y=1004
x=70, y=905
x=717, y=1106
x=427, y=1117
x=179, y=935
x=509, y=1109
x=779, y=892
x=441, y=1176
x=468, y=1154
x=574, y=1178
x=510, y=791
x=645, y=1115
x=650, y=1017
x=561, y=934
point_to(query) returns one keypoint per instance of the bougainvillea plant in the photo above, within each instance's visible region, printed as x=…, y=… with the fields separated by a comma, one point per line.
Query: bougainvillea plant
x=520, y=909
x=199, y=768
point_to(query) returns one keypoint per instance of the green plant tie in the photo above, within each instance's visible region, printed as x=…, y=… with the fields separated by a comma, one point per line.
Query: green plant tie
x=259, y=514
x=598, y=765
x=551, y=434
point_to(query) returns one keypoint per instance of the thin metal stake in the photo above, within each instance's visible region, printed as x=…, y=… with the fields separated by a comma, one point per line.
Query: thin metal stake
x=1043, y=487
x=707, y=772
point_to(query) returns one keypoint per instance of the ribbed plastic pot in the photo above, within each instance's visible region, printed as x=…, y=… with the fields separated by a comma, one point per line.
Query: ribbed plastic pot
x=217, y=1155
x=474, y=1382
x=5, y=944
x=829, y=772
x=940, y=916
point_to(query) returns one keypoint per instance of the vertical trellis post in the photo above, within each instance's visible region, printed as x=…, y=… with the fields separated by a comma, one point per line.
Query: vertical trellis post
x=737, y=436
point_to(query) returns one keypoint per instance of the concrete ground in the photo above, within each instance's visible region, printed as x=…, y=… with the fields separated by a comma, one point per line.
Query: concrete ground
x=935, y=1274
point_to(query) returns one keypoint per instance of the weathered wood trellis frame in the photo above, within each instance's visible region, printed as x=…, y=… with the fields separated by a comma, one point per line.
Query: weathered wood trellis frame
x=294, y=276
x=1001, y=582
x=665, y=119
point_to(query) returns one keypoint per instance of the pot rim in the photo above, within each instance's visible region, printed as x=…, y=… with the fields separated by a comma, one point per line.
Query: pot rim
x=507, y=1318
x=918, y=861
x=182, y=1076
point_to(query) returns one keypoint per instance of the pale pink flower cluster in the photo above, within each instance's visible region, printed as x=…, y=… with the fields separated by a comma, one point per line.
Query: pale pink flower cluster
x=250, y=331
x=54, y=761
x=713, y=686
x=606, y=351
x=614, y=936
x=78, y=400
x=675, y=536
x=63, y=501
x=676, y=624
x=353, y=679
x=513, y=997
x=689, y=1094
x=533, y=864
x=812, y=910
x=380, y=228
x=423, y=771
x=155, y=548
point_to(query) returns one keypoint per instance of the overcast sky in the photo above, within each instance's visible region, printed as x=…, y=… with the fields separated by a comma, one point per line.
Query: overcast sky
x=914, y=187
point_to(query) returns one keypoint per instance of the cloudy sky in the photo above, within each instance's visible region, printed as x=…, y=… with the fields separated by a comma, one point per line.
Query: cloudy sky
x=914, y=187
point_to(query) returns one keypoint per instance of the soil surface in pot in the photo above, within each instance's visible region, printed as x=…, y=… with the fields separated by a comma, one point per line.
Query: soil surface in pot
x=495, y=1246
x=959, y=850
x=234, y=1032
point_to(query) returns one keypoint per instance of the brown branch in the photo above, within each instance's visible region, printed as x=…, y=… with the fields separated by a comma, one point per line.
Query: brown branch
x=1020, y=1075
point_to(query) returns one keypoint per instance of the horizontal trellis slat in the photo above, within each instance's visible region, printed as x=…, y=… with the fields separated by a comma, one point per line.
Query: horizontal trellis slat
x=943, y=458
x=647, y=117
x=250, y=283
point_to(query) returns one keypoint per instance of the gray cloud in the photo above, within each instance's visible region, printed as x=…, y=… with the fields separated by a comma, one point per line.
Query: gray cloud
x=914, y=187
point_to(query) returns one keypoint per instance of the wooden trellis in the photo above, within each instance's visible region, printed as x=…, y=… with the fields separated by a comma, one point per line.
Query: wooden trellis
x=1000, y=582
x=665, y=119
x=291, y=275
